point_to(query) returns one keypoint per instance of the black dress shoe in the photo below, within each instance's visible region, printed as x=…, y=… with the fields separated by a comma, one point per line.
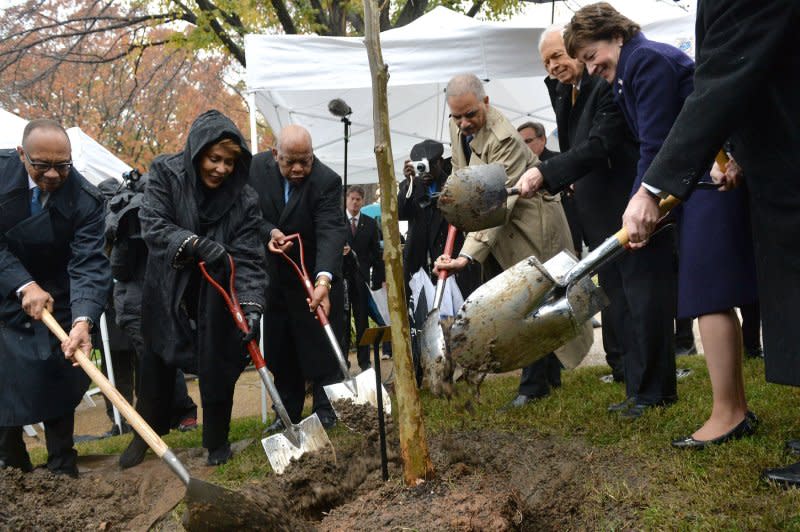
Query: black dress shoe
x=220, y=455
x=134, y=453
x=788, y=477
x=744, y=428
x=277, y=426
x=793, y=446
x=624, y=405
x=753, y=352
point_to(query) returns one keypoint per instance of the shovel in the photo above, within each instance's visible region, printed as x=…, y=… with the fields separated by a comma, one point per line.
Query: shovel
x=207, y=504
x=474, y=197
x=298, y=439
x=532, y=308
x=360, y=389
x=433, y=347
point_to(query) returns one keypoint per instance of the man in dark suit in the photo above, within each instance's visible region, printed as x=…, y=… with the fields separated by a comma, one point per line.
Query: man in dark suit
x=51, y=257
x=745, y=89
x=364, y=240
x=299, y=194
x=599, y=152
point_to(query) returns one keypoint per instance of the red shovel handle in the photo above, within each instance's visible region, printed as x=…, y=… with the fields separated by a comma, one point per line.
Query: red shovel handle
x=449, y=244
x=302, y=273
x=236, y=310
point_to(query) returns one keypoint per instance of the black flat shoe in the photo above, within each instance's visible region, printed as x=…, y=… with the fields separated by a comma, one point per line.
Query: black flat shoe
x=276, y=426
x=744, y=428
x=787, y=477
x=622, y=406
x=219, y=455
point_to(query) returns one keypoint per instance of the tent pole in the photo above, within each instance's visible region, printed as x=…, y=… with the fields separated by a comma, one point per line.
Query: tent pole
x=251, y=102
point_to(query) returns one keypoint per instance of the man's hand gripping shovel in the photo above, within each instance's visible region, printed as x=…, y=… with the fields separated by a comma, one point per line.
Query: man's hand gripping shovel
x=360, y=389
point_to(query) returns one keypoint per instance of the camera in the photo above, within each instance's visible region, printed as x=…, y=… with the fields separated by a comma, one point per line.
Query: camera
x=131, y=178
x=421, y=167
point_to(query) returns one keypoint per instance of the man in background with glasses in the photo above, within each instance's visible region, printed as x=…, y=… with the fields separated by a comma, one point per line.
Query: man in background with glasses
x=51, y=257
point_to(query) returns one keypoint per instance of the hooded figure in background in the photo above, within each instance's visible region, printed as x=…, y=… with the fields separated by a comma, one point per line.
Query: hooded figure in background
x=197, y=207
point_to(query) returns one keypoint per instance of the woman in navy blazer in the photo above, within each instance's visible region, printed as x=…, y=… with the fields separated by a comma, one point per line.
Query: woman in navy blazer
x=650, y=81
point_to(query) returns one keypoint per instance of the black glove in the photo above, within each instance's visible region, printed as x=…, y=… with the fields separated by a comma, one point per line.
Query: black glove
x=252, y=316
x=210, y=251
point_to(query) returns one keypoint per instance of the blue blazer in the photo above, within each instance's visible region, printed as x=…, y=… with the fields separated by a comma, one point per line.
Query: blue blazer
x=653, y=80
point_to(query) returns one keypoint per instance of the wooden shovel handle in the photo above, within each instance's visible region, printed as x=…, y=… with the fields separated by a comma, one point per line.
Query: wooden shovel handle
x=664, y=206
x=136, y=421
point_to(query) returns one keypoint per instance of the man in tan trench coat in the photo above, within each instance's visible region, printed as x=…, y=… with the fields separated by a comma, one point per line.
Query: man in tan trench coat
x=537, y=226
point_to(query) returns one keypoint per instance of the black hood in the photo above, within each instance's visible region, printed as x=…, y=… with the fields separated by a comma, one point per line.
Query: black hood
x=207, y=129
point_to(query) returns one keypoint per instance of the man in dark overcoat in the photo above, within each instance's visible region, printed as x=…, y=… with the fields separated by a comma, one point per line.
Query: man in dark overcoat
x=299, y=194
x=599, y=154
x=364, y=240
x=51, y=257
x=745, y=91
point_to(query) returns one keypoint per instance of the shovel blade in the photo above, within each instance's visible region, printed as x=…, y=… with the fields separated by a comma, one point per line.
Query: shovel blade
x=474, y=197
x=436, y=365
x=366, y=393
x=212, y=507
x=309, y=433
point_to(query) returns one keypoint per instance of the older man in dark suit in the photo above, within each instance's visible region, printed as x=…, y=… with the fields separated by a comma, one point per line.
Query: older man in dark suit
x=51, y=257
x=299, y=194
x=599, y=155
x=364, y=242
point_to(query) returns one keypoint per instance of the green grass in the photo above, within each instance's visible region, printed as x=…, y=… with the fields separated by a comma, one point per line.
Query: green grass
x=715, y=489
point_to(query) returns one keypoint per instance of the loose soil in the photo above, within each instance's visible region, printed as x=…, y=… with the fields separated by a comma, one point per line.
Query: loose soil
x=486, y=480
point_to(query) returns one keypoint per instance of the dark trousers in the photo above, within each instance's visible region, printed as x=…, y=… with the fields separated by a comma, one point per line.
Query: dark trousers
x=684, y=335
x=61, y=456
x=751, y=327
x=539, y=377
x=157, y=383
x=613, y=317
x=650, y=286
x=359, y=310
x=127, y=377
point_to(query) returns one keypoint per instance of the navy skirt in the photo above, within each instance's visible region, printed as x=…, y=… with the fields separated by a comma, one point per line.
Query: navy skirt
x=716, y=265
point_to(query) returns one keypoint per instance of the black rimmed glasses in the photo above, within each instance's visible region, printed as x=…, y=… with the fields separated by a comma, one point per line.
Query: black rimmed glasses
x=42, y=167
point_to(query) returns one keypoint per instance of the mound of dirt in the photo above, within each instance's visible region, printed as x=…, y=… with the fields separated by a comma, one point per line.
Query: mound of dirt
x=485, y=480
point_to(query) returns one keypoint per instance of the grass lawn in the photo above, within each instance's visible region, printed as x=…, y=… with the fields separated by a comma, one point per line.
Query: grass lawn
x=715, y=489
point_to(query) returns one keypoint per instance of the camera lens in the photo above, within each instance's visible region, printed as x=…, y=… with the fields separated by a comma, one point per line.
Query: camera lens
x=421, y=168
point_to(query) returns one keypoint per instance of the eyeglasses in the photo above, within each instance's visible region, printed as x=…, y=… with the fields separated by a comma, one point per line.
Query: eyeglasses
x=40, y=166
x=469, y=115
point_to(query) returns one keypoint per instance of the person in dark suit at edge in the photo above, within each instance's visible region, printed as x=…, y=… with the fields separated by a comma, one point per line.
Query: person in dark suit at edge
x=299, y=194
x=364, y=240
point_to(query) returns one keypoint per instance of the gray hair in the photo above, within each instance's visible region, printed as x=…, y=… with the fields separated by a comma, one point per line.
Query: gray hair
x=465, y=84
x=535, y=126
x=555, y=28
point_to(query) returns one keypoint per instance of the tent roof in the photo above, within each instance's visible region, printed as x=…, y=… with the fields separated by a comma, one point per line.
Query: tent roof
x=91, y=158
x=294, y=77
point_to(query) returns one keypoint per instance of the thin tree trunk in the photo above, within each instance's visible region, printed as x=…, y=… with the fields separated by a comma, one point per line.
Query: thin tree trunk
x=417, y=464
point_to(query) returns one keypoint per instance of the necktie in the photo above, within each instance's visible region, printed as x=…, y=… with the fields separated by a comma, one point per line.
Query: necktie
x=353, y=225
x=36, y=205
x=574, y=94
x=467, y=149
x=287, y=191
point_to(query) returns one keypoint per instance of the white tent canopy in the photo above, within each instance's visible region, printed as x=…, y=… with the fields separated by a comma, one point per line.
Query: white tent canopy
x=293, y=77
x=90, y=158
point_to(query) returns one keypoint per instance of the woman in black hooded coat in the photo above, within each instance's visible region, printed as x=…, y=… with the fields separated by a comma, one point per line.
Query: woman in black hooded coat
x=198, y=207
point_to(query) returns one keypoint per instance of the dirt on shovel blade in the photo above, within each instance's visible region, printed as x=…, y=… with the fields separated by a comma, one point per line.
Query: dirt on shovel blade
x=361, y=418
